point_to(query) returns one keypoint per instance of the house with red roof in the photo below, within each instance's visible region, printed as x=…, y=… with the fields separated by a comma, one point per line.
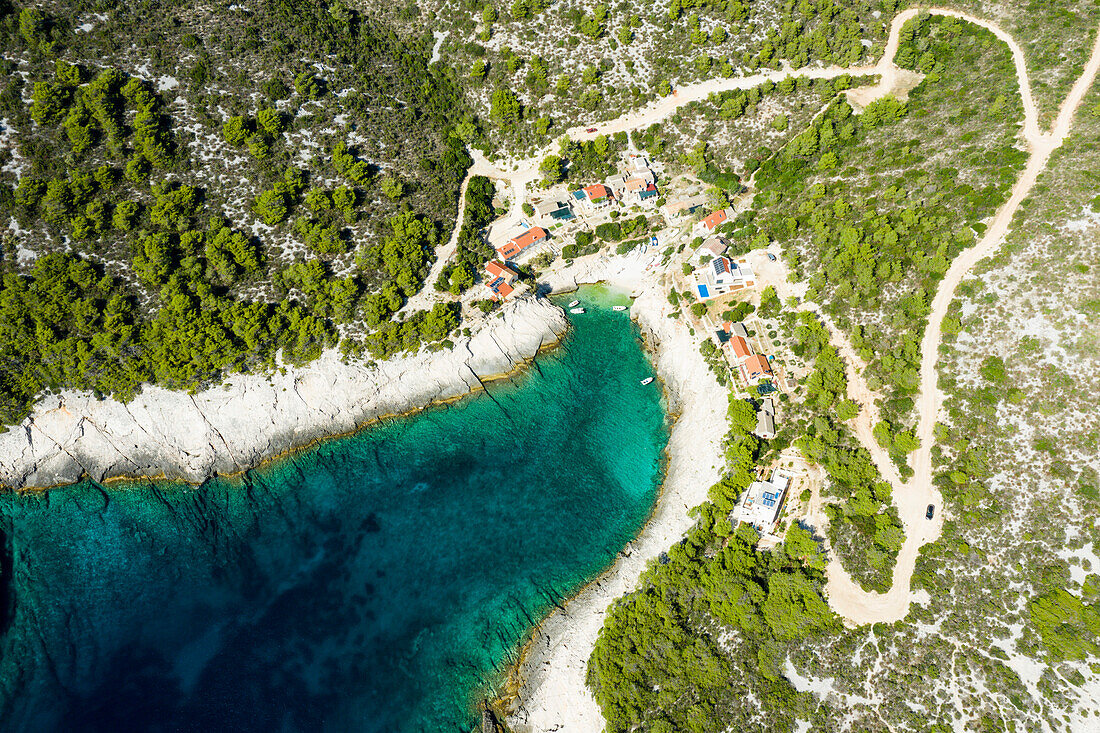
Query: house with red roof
x=733, y=338
x=648, y=195
x=740, y=348
x=501, y=279
x=515, y=245
x=496, y=269
x=710, y=223
x=598, y=196
x=756, y=368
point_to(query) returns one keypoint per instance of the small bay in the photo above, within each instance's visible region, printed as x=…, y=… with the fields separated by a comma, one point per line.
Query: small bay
x=375, y=582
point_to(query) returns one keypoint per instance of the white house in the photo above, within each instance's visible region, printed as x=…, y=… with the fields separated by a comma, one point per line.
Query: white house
x=722, y=275
x=764, y=501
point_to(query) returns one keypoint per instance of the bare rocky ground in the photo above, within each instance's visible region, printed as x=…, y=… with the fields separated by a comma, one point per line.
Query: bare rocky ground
x=253, y=417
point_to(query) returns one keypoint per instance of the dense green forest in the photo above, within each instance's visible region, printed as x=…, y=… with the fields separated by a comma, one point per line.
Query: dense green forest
x=139, y=258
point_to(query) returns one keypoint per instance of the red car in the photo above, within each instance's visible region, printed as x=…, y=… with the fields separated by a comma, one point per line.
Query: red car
x=591, y=129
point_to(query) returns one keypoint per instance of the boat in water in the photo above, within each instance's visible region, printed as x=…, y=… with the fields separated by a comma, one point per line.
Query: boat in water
x=618, y=307
x=646, y=381
x=574, y=304
x=576, y=310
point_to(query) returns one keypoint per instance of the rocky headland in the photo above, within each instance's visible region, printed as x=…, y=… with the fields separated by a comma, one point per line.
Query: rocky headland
x=235, y=426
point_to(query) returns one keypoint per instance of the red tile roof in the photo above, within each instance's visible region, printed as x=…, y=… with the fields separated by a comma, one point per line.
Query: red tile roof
x=515, y=245
x=597, y=191
x=740, y=347
x=635, y=184
x=534, y=235
x=715, y=219
x=508, y=250
x=757, y=365
x=500, y=288
x=496, y=269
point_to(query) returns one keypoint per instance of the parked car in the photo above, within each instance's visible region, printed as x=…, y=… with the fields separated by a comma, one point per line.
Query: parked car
x=591, y=129
x=771, y=257
x=931, y=511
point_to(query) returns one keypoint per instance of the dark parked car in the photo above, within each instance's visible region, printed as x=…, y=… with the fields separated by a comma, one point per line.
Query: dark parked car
x=931, y=511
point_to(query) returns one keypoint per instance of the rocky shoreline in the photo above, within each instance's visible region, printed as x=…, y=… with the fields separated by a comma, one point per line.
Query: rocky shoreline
x=252, y=418
x=548, y=681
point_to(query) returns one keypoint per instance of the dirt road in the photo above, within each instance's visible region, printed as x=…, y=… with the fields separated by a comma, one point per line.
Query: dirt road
x=913, y=496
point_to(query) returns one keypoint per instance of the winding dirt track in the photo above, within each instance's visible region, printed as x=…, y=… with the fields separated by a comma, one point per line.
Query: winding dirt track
x=845, y=596
x=912, y=497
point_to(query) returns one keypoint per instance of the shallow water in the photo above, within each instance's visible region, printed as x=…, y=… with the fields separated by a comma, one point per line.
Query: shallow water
x=372, y=583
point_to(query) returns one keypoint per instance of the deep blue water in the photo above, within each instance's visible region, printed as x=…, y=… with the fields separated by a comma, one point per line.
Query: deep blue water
x=372, y=583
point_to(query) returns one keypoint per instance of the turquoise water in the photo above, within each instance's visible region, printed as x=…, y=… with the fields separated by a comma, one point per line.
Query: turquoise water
x=372, y=583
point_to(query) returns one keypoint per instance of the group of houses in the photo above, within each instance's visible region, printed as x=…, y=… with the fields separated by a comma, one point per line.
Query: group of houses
x=734, y=340
x=636, y=183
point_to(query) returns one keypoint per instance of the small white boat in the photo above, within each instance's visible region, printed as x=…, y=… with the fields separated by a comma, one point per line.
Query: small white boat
x=618, y=307
x=646, y=381
x=576, y=310
x=574, y=304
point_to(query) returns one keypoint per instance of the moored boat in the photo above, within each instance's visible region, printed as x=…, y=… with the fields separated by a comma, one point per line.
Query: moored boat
x=618, y=307
x=576, y=310
x=646, y=381
x=574, y=304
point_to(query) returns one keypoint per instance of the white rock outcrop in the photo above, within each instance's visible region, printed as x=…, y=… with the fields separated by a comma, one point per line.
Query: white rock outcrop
x=253, y=417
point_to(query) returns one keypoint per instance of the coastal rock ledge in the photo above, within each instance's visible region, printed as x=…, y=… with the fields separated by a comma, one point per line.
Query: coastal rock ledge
x=252, y=417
